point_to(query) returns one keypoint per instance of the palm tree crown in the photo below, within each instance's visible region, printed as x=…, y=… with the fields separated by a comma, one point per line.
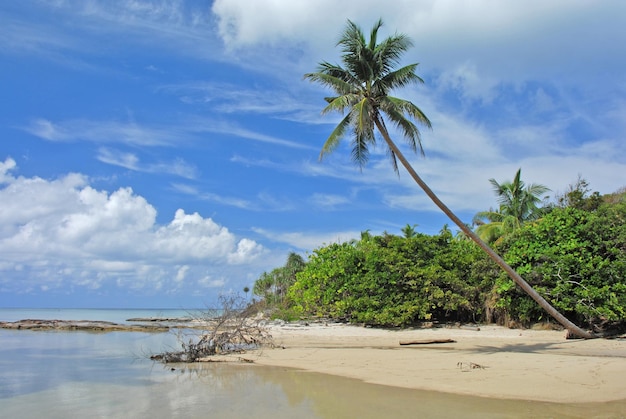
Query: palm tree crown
x=518, y=205
x=518, y=200
x=362, y=87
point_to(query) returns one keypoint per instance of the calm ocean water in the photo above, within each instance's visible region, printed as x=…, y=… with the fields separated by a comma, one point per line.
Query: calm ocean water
x=109, y=375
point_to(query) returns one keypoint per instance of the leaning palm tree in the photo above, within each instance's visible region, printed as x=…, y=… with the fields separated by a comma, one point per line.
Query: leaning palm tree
x=518, y=205
x=362, y=90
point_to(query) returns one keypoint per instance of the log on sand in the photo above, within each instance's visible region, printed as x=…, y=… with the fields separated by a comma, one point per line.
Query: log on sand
x=426, y=341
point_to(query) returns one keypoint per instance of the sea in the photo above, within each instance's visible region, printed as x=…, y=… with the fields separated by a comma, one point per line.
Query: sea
x=62, y=374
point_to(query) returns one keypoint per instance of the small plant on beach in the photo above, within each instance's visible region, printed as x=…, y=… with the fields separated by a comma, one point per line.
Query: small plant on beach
x=228, y=330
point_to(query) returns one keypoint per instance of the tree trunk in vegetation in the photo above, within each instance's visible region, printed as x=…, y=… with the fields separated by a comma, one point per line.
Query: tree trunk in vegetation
x=525, y=286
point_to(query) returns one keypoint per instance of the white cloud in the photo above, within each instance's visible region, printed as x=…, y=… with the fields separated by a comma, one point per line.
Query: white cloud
x=234, y=129
x=178, y=167
x=209, y=282
x=212, y=197
x=308, y=240
x=328, y=201
x=129, y=133
x=63, y=232
x=474, y=46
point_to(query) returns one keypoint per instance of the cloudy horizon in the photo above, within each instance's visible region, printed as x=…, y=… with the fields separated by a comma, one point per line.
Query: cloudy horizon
x=160, y=153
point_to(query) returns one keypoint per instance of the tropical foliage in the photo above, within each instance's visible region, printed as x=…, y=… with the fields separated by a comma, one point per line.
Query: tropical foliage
x=391, y=280
x=272, y=286
x=573, y=256
x=518, y=205
x=362, y=89
x=576, y=258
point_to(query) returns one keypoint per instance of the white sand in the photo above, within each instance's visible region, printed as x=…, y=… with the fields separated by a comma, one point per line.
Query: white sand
x=518, y=364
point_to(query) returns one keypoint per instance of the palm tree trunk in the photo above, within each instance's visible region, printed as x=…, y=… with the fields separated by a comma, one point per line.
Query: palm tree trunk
x=571, y=327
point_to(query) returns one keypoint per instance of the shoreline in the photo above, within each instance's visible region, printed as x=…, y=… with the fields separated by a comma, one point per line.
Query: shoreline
x=484, y=361
x=490, y=361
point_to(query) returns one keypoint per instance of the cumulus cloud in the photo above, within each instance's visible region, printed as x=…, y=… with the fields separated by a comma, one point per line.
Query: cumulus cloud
x=65, y=233
x=472, y=46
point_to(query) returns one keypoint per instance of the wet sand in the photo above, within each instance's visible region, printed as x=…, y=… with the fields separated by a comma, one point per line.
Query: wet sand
x=493, y=362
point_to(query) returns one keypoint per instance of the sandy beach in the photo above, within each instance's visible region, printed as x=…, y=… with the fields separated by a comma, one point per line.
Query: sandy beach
x=493, y=362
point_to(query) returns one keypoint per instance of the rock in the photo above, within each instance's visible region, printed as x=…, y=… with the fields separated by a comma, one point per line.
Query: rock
x=82, y=325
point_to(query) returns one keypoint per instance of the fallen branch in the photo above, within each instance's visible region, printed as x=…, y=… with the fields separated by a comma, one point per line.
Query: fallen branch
x=232, y=332
x=426, y=341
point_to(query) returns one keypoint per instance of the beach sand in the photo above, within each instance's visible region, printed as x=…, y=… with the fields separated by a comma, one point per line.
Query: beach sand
x=493, y=362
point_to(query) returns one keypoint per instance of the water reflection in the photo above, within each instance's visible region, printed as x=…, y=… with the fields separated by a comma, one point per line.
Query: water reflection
x=73, y=374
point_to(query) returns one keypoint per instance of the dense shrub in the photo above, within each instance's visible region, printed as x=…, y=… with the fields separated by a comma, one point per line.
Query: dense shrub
x=390, y=280
x=575, y=256
x=576, y=259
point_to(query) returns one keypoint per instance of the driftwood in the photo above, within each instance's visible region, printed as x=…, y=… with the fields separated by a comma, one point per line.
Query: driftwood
x=230, y=332
x=426, y=341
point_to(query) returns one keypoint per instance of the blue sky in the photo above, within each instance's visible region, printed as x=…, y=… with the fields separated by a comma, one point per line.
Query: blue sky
x=160, y=153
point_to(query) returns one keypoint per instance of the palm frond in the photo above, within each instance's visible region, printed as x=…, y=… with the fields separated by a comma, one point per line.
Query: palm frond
x=335, y=83
x=397, y=79
x=406, y=107
x=335, y=137
x=362, y=114
x=409, y=130
x=374, y=34
x=388, y=53
x=360, y=150
x=340, y=103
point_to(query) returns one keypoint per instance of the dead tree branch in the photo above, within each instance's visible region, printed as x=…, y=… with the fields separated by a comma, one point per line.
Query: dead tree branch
x=229, y=330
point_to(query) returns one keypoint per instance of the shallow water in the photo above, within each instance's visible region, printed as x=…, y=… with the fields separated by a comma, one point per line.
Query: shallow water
x=81, y=374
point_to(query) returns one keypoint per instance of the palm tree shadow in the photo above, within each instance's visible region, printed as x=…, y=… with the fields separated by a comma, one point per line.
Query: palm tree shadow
x=532, y=348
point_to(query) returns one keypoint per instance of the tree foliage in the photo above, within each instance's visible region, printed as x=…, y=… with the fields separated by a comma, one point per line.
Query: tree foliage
x=362, y=87
x=518, y=205
x=392, y=281
x=272, y=287
x=576, y=258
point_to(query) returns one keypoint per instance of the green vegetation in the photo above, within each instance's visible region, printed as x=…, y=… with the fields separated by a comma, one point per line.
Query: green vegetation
x=362, y=87
x=518, y=205
x=391, y=280
x=273, y=287
x=575, y=256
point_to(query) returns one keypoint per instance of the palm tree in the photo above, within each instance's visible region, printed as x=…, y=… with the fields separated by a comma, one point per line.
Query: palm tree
x=518, y=205
x=362, y=90
x=492, y=225
x=409, y=231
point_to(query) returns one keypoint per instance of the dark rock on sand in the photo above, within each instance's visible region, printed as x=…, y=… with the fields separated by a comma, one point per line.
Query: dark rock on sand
x=84, y=325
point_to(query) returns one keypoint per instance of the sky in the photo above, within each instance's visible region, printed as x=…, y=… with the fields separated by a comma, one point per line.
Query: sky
x=159, y=154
